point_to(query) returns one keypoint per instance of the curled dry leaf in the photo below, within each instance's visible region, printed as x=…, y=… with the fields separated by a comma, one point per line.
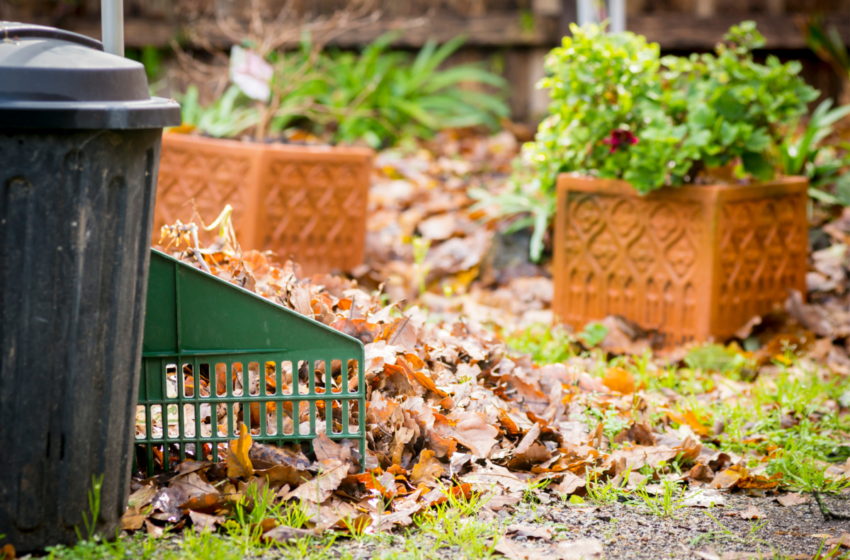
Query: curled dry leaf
x=238, y=461
x=428, y=469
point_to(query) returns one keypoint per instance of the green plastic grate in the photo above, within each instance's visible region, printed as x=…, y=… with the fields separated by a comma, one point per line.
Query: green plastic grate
x=215, y=355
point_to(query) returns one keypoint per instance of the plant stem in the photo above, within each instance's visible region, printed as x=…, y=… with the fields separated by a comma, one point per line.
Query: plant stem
x=828, y=515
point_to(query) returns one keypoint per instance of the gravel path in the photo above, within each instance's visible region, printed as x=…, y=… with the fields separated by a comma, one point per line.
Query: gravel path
x=628, y=532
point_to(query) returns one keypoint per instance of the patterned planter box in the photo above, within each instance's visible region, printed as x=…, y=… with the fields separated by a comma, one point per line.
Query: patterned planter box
x=300, y=201
x=694, y=262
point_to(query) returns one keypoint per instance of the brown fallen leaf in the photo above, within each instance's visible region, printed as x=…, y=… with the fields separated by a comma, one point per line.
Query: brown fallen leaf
x=153, y=530
x=729, y=477
x=483, y=478
x=132, y=520
x=238, y=462
x=280, y=475
x=842, y=541
x=532, y=531
x=582, y=549
x=497, y=503
x=428, y=469
x=204, y=522
x=278, y=455
x=619, y=380
x=473, y=431
x=142, y=497
x=701, y=473
x=428, y=383
x=752, y=512
x=515, y=551
x=201, y=495
x=7, y=552
x=792, y=499
x=570, y=484
x=284, y=534
x=530, y=436
x=706, y=553
x=332, y=472
x=325, y=448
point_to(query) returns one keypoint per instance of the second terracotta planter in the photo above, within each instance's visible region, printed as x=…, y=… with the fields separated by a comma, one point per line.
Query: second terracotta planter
x=693, y=262
x=304, y=202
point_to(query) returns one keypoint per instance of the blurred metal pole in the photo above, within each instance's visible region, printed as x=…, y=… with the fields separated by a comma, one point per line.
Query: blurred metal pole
x=585, y=11
x=112, y=25
x=617, y=15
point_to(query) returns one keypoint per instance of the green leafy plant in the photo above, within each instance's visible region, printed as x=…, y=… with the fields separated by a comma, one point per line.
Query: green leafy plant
x=420, y=267
x=807, y=154
x=383, y=96
x=802, y=472
x=379, y=96
x=829, y=47
x=227, y=117
x=735, y=108
x=545, y=343
x=619, y=110
x=715, y=357
x=532, y=206
x=601, y=493
x=593, y=334
x=666, y=502
x=90, y=519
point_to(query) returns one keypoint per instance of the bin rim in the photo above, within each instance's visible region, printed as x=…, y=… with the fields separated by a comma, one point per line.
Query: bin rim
x=156, y=112
x=14, y=30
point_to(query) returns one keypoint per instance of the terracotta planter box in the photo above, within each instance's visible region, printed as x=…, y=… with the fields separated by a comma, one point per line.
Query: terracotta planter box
x=693, y=262
x=299, y=201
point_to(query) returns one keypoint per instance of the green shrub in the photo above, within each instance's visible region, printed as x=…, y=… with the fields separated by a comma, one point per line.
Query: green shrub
x=383, y=95
x=379, y=95
x=620, y=111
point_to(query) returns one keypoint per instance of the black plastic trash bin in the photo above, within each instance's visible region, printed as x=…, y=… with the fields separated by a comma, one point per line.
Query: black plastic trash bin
x=79, y=151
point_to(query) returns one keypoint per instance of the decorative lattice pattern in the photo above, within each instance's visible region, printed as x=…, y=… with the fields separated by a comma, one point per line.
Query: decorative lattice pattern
x=692, y=263
x=632, y=257
x=762, y=254
x=209, y=178
x=301, y=202
x=317, y=211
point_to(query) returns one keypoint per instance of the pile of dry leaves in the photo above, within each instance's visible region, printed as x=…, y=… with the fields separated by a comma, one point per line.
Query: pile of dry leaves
x=449, y=410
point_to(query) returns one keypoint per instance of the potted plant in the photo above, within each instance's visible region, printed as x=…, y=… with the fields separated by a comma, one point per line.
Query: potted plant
x=310, y=201
x=669, y=209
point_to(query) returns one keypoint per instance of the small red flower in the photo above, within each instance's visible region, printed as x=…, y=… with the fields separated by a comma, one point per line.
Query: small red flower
x=620, y=138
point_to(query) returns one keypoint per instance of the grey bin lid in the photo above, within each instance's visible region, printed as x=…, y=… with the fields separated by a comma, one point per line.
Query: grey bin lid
x=50, y=78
